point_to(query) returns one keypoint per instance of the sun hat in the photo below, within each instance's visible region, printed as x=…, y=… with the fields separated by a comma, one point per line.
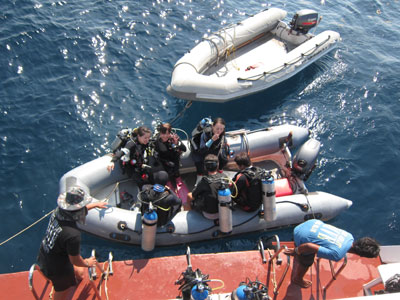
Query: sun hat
x=74, y=199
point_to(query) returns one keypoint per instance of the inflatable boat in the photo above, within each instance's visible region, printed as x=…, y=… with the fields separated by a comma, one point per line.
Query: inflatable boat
x=268, y=148
x=250, y=56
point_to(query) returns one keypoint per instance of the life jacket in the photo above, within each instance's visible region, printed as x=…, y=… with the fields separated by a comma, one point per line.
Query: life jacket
x=253, y=193
x=204, y=124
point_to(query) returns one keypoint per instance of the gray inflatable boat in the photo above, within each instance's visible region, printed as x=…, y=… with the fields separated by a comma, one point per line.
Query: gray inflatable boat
x=267, y=147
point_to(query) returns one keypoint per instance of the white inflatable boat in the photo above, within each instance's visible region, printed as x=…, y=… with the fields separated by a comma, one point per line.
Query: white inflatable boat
x=250, y=56
x=268, y=148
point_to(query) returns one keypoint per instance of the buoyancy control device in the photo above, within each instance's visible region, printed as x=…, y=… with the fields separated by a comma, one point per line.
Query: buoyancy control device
x=196, y=133
x=303, y=20
x=224, y=207
x=305, y=159
x=268, y=196
x=149, y=228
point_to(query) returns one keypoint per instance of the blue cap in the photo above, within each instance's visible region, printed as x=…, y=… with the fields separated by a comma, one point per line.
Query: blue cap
x=197, y=295
x=158, y=188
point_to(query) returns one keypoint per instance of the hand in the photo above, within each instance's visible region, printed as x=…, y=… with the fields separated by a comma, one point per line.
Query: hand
x=101, y=204
x=91, y=261
x=215, y=137
x=175, y=138
x=110, y=167
x=289, y=251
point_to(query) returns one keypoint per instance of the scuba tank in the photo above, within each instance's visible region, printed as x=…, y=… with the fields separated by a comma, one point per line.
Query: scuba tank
x=199, y=292
x=149, y=228
x=224, y=208
x=120, y=140
x=268, y=196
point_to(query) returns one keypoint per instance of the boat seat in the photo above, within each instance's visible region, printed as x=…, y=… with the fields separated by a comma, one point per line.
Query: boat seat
x=385, y=272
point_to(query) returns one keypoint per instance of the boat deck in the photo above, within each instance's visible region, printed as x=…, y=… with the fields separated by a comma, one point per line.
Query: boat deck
x=155, y=278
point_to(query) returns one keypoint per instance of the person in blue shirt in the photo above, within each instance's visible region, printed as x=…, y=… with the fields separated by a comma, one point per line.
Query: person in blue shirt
x=314, y=237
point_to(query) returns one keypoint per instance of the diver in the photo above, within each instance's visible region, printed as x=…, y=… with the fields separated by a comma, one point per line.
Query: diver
x=165, y=201
x=248, y=184
x=212, y=141
x=132, y=156
x=204, y=197
x=169, y=149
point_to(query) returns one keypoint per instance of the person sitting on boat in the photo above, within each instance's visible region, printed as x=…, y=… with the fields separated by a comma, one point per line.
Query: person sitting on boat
x=314, y=237
x=169, y=149
x=166, y=201
x=59, y=255
x=204, y=196
x=248, y=184
x=212, y=141
x=132, y=156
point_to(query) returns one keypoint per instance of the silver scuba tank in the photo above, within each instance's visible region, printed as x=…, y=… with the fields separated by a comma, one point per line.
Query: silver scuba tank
x=149, y=229
x=224, y=209
x=268, y=196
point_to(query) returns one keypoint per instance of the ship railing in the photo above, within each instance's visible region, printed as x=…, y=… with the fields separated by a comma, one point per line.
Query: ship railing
x=32, y=269
x=272, y=258
x=334, y=273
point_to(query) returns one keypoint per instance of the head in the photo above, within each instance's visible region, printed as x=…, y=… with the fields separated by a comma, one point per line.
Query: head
x=72, y=205
x=218, y=126
x=160, y=177
x=365, y=247
x=165, y=131
x=211, y=163
x=143, y=135
x=242, y=160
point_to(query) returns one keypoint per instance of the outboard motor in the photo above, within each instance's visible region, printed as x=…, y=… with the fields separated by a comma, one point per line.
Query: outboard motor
x=304, y=20
x=268, y=196
x=224, y=208
x=149, y=229
x=304, y=160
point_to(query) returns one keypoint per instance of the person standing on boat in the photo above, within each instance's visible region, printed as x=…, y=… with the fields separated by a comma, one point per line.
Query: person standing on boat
x=59, y=255
x=314, y=237
x=165, y=201
x=169, y=149
x=249, y=190
x=212, y=141
x=132, y=156
x=204, y=196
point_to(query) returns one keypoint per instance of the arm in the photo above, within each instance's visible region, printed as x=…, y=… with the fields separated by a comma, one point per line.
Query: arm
x=307, y=248
x=99, y=204
x=77, y=260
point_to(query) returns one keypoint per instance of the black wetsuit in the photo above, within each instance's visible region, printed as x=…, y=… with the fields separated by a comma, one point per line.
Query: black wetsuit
x=169, y=156
x=205, y=194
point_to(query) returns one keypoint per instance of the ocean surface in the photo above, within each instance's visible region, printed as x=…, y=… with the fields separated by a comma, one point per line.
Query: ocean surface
x=74, y=72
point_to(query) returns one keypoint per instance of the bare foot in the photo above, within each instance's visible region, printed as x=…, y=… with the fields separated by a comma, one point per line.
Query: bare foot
x=302, y=283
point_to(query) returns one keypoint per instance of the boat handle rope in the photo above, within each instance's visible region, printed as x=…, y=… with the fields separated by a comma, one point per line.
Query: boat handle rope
x=280, y=68
x=180, y=114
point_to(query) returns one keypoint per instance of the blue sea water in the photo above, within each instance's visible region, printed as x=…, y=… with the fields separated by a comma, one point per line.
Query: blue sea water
x=74, y=72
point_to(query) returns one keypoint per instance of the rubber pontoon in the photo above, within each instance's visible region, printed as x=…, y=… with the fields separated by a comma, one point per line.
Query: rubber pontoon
x=268, y=148
x=250, y=56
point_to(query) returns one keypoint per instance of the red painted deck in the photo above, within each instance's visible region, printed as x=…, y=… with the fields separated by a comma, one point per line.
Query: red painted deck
x=154, y=278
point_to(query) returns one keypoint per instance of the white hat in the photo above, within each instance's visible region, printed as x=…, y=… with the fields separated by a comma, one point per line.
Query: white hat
x=74, y=199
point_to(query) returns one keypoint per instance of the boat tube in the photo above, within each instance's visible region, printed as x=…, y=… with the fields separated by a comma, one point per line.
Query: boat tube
x=267, y=147
x=250, y=56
